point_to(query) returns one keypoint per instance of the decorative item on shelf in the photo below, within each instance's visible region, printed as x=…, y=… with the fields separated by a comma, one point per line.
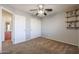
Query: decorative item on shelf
x=72, y=24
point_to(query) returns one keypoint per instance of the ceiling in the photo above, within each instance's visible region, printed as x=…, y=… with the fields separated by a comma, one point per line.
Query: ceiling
x=56, y=7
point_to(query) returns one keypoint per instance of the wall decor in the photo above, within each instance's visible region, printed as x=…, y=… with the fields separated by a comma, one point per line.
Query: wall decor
x=72, y=19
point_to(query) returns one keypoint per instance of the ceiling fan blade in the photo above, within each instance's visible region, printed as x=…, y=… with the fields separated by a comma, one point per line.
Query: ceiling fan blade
x=33, y=10
x=36, y=14
x=45, y=14
x=49, y=10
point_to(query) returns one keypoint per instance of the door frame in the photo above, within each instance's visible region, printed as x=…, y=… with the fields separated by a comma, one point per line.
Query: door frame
x=12, y=21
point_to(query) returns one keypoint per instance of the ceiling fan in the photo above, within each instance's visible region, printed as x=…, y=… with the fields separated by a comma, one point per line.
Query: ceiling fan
x=41, y=10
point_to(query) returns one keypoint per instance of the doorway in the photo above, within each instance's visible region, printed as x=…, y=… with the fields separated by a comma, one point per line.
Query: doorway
x=7, y=18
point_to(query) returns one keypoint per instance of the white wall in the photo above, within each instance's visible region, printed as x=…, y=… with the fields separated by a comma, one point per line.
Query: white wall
x=0, y=30
x=78, y=33
x=35, y=28
x=78, y=38
x=54, y=27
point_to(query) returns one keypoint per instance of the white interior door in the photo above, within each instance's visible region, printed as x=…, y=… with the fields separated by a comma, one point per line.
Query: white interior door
x=20, y=28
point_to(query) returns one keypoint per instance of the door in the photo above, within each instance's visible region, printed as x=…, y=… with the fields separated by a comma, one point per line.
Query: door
x=20, y=32
x=7, y=18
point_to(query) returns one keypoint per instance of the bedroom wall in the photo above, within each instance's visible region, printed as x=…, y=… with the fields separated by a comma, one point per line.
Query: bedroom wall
x=54, y=27
x=32, y=25
x=0, y=30
x=78, y=33
x=78, y=38
x=35, y=27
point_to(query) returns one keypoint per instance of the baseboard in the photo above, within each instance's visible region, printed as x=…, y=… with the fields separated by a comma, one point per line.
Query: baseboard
x=60, y=41
x=35, y=36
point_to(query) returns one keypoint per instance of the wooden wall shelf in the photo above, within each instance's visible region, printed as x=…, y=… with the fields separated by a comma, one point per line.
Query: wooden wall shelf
x=72, y=24
x=72, y=27
x=72, y=21
x=72, y=16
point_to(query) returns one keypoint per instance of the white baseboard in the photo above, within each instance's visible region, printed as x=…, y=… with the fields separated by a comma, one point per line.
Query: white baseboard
x=60, y=41
x=35, y=36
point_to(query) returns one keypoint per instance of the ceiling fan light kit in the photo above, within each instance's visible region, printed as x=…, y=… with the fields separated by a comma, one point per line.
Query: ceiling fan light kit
x=41, y=11
x=40, y=6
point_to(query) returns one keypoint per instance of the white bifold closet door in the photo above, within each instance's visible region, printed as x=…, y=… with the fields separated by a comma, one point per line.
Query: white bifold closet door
x=20, y=28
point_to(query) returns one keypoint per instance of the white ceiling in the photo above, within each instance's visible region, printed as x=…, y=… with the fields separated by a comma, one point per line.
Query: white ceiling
x=56, y=7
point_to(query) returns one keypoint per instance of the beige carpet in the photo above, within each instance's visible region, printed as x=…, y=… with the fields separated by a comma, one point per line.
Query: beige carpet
x=42, y=46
